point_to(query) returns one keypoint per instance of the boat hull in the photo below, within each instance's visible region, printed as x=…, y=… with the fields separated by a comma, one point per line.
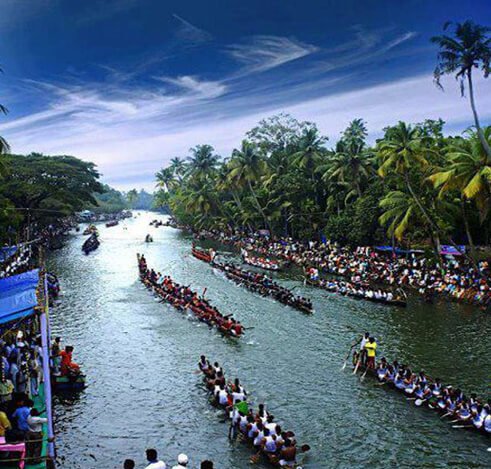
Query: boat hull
x=68, y=384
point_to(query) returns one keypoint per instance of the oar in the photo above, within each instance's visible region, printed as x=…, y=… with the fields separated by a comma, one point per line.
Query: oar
x=255, y=457
x=347, y=356
x=356, y=367
x=445, y=415
x=364, y=374
x=465, y=426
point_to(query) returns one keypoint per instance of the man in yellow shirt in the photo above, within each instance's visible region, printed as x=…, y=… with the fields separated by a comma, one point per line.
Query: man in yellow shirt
x=371, y=348
x=4, y=421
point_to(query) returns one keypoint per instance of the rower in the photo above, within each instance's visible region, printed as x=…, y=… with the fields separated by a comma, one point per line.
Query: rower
x=288, y=454
x=203, y=364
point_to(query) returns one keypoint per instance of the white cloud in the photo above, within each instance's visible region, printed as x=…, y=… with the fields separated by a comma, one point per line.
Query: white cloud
x=266, y=52
x=132, y=135
x=199, y=88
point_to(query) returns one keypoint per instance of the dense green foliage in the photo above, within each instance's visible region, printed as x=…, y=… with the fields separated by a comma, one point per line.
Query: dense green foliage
x=44, y=188
x=413, y=186
x=109, y=201
x=140, y=200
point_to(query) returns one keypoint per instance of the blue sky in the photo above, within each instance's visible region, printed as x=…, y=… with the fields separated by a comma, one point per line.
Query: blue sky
x=130, y=84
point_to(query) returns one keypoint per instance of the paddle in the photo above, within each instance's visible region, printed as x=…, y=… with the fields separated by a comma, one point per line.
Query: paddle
x=347, y=357
x=364, y=374
x=358, y=363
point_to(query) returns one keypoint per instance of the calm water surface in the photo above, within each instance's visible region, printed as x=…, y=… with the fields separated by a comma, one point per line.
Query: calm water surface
x=140, y=358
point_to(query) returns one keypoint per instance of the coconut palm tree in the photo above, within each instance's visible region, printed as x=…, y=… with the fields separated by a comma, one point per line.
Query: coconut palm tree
x=350, y=164
x=178, y=167
x=202, y=162
x=166, y=179
x=310, y=151
x=401, y=151
x=469, y=172
x=400, y=210
x=247, y=166
x=468, y=48
x=4, y=146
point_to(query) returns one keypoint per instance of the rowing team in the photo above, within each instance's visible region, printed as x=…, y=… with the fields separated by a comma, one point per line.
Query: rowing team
x=265, y=285
x=183, y=298
x=347, y=288
x=261, y=262
x=451, y=402
x=258, y=428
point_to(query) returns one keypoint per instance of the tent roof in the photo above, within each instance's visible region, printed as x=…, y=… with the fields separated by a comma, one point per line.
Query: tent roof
x=18, y=296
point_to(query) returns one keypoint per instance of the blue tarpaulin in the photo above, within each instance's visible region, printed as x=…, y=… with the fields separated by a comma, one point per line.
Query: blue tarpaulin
x=7, y=252
x=451, y=251
x=18, y=296
x=396, y=250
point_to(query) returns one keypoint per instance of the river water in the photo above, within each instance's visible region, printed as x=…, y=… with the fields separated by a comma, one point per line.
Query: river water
x=140, y=357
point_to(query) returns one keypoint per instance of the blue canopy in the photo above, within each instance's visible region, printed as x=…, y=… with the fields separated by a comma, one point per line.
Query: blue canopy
x=18, y=296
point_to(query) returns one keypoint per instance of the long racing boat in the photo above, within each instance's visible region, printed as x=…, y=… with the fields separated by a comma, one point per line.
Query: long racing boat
x=238, y=410
x=467, y=413
x=397, y=301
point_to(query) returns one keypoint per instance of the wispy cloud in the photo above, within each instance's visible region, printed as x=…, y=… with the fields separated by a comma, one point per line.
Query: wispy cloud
x=262, y=53
x=190, y=33
x=199, y=88
x=135, y=131
x=365, y=46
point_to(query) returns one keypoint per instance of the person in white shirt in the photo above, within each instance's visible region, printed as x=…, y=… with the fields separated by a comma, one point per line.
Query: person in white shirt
x=153, y=461
x=34, y=436
x=182, y=462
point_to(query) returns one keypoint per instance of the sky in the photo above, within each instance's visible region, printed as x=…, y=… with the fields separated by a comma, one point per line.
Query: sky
x=129, y=84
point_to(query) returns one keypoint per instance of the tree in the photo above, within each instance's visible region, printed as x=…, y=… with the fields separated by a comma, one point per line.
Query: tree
x=50, y=186
x=177, y=167
x=401, y=151
x=166, y=179
x=351, y=162
x=202, y=162
x=469, y=173
x=246, y=167
x=469, y=48
x=277, y=133
x=400, y=210
x=132, y=197
x=4, y=146
x=310, y=150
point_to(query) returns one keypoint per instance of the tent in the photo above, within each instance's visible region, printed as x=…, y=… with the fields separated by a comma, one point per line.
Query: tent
x=18, y=296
